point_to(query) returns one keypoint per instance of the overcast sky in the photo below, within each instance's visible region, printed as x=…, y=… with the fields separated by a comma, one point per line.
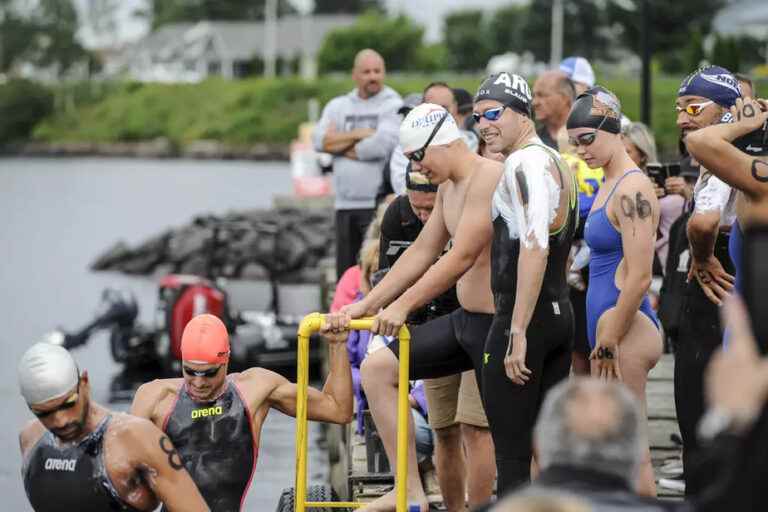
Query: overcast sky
x=426, y=12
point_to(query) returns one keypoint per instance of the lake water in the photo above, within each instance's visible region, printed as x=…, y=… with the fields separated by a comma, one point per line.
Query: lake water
x=56, y=215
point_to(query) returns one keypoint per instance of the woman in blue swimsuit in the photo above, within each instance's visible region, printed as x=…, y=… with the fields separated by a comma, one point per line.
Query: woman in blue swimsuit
x=620, y=230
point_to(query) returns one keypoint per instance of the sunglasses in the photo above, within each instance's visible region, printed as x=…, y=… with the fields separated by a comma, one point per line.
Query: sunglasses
x=418, y=155
x=492, y=114
x=693, y=109
x=585, y=139
x=69, y=403
x=210, y=372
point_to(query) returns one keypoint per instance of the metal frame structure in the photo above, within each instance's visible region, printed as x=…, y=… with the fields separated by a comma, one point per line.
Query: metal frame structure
x=310, y=324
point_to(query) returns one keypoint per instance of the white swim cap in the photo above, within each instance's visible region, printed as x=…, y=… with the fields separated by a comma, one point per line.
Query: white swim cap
x=419, y=123
x=46, y=372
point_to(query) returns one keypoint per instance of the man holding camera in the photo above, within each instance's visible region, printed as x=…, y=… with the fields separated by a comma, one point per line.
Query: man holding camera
x=703, y=99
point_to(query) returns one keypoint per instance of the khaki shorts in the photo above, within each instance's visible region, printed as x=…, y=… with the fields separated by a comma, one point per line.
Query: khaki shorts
x=454, y=399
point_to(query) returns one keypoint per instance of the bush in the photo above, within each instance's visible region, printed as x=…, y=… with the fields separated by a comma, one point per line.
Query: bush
x=264, y=110
x=23, y=104
x=398, y=40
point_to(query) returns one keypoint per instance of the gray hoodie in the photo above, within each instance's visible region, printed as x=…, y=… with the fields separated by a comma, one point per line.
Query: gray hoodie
x=356, y=181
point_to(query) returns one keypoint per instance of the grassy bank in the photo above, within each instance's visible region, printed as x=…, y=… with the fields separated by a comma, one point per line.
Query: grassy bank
x=260, y=110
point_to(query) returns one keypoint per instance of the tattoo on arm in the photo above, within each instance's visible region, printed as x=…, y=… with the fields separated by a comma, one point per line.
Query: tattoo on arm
x=174, y=459
x=627, y=207
x=522, y=184
x=644, y=209
x=760, y=170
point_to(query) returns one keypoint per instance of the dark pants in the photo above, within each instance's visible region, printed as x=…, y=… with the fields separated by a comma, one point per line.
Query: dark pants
x=350, y=231
x=699, y=337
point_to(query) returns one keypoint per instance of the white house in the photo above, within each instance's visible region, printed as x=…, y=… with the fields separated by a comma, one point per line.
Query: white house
x=190, y=52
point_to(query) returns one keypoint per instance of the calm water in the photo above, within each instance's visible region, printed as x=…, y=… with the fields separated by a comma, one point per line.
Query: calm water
x=56, y=215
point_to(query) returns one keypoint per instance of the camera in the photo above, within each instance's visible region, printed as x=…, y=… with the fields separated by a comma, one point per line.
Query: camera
x=660, y=172
x=754, y=143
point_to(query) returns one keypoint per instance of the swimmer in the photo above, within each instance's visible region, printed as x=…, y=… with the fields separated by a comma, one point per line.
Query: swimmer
x=449, y=344
x=215, y=419
x=77, y=455
x=620, y=230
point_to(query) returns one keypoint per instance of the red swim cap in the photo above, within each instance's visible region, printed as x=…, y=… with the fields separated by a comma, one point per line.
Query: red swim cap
x=205, y=340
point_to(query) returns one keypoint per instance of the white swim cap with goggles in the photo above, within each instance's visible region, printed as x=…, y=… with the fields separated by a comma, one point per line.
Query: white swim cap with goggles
x=46, y=372
x=427, y=125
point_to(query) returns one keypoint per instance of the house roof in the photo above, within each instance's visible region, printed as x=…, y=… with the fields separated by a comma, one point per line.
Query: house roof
x=234, y=40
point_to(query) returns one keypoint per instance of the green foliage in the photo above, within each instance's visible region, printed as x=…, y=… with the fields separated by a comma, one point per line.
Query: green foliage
x=726, y=53
x=398, y=40
x=42, y=37
x=505, y=29
x=174, y=11
x=693, y=54
x=262, y=110
x=466, y=40
x=672, y=24
x=346, y=6
x=23, y=104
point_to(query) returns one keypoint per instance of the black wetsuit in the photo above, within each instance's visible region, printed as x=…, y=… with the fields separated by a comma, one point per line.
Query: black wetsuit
x=216, y=444
x=71, y=476
x=464, y=340
x=512, y=409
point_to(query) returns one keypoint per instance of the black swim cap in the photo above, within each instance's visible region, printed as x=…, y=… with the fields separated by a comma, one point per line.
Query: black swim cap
x=509, y=89
x=596, y=108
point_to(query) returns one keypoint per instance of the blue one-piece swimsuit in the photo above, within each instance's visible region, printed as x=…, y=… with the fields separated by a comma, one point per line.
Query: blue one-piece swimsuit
x=607, y=252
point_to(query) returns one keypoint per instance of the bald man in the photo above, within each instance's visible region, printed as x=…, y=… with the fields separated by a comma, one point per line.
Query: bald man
x=553, y=94
x=360, y=130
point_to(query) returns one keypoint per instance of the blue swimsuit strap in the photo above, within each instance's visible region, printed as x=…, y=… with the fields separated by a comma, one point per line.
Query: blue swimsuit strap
x=610, y=194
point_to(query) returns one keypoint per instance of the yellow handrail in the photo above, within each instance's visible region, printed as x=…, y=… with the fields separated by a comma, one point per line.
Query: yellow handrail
x=310, y=324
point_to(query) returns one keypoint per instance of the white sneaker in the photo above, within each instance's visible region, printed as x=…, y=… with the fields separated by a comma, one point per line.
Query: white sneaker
x=673, y=484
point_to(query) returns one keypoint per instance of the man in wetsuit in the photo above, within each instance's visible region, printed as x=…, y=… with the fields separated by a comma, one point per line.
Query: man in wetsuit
x=432, y=141
x=534, y=218
x=215, y=419
x=79, y=456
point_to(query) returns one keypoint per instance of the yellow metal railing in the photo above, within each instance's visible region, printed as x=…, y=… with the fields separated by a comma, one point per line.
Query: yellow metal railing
x=310, y=324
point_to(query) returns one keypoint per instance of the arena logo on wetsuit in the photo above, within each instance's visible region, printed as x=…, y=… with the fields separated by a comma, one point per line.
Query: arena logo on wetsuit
x=210, y=411
x=60, y=464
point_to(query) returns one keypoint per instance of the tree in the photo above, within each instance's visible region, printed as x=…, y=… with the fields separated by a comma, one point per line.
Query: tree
x=726, y=53
x=345, y=6
x=583, y=31
x=398, y=40
x=44, y=37
x=174, y=11
x=672, y=22
x=466, y=40
x=505, y=29
x=693, y=54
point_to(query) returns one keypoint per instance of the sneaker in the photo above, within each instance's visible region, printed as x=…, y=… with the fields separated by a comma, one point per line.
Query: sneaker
x=673, y=484
x=673, y=467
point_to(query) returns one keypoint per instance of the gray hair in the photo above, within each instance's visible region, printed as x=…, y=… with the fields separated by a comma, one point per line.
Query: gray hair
x=641, y=136
x=612, y=445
